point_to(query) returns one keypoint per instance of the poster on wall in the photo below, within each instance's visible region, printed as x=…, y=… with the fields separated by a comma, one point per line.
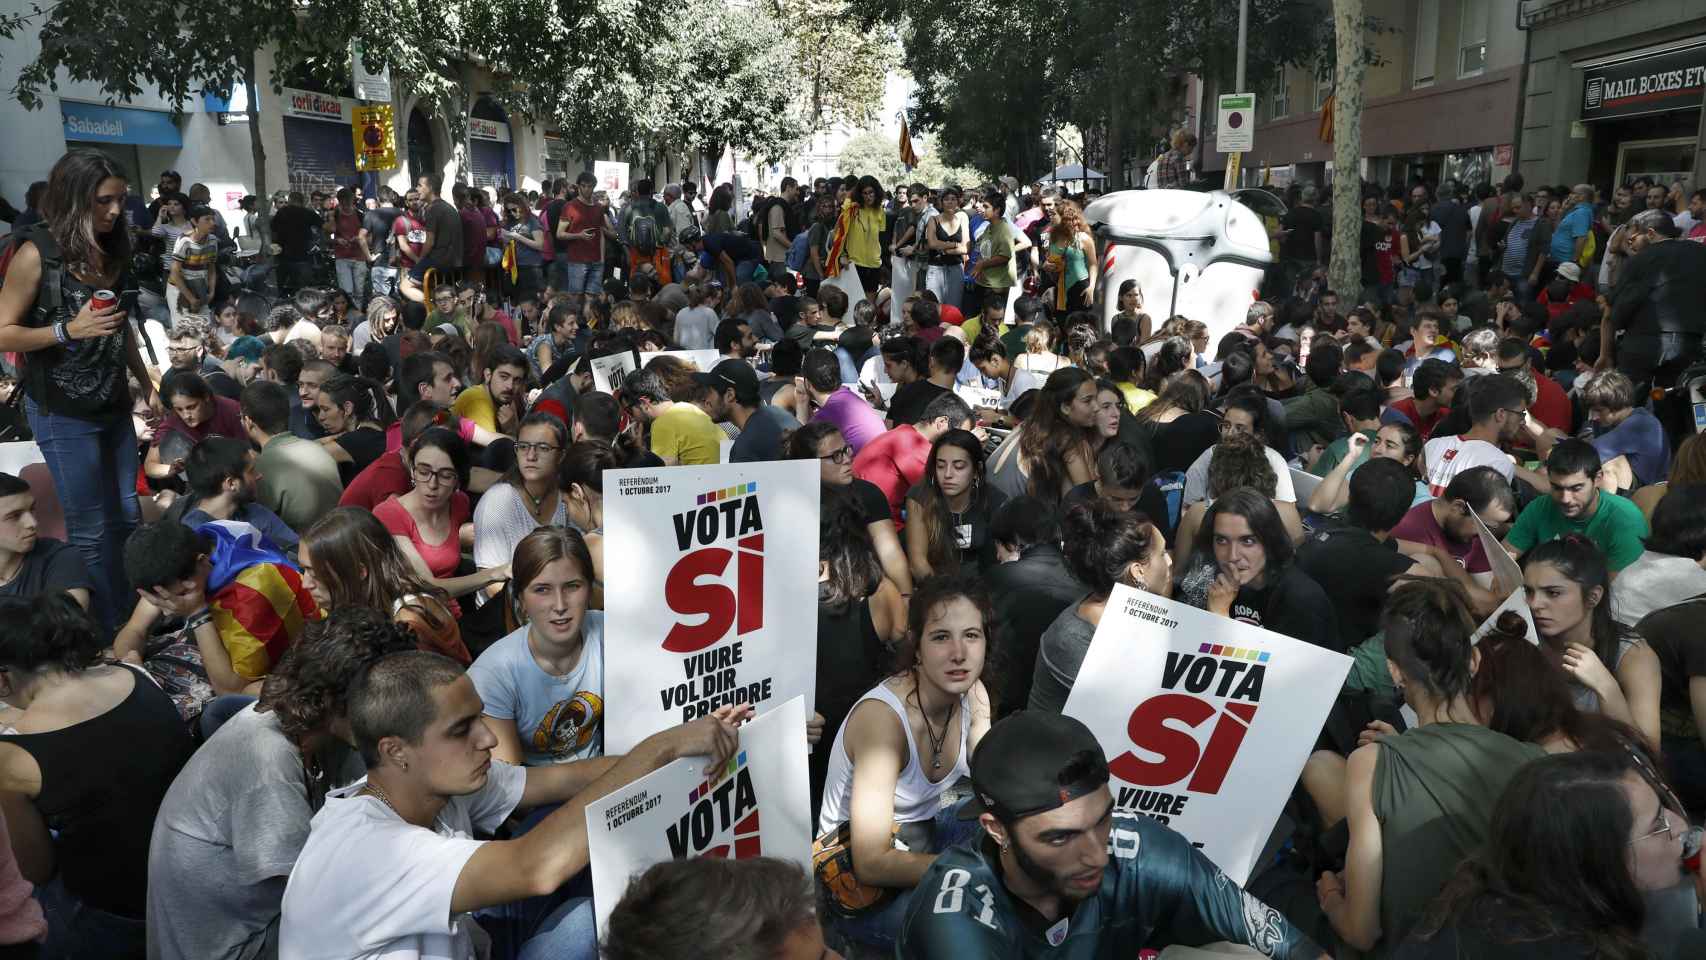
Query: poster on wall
x=375, y=136
x=756, y=805
x=1206, y=721
x=718, y=572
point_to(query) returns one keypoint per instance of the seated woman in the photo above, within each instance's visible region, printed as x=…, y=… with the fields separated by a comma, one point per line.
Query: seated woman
x=528, y=497
x=1612, y=670
x=822, y=441
x=1673, y=567
x=1416, y=802
x=430, y=523
x=1054, y=449
x=904, y=744
x=1400, y=442
x=1102, y=546
x=1574, y=843
x=196, y=413
x=1178, y=424
x=543, y=685
x=1519, y=692
x=354, y=412
x=88, y=749
x=950, y=510
x=860, y=617
x=581, y=478
x=1242, y=568
x=349, y=559
x=235, y=818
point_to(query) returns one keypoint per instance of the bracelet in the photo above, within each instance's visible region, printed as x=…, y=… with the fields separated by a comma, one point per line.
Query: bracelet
x=62, y=331
x=197, y=620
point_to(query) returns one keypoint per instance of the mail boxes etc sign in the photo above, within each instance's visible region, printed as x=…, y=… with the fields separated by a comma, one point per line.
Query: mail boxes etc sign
x=1674, y=80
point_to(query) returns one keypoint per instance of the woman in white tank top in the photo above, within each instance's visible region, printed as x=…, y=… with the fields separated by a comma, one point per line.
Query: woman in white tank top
x=905, y=743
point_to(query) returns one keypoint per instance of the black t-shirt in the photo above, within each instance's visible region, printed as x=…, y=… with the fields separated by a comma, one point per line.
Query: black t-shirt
x=740, y=247
x=1372, y=234
x=378, y=222
x=1150, y=501
x=1292, y=604
x=553, y=211
x=1360, y=568
x=50, y=567
x=445, y=224
x=971, y=528
x=1304, y=223
x=1675, y=637
x=1486, y=928
x=1178, y=444
x=295, y=229
x=909, y=400
x=364, y=445
x=873, y=506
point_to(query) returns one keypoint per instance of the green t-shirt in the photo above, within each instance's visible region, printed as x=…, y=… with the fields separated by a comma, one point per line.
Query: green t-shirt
x=1616, y=526
x=1335, y=454
x=1368, y=669
x=997, y=241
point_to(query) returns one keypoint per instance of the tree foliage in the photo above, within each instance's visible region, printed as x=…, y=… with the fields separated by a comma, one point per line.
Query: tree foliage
x=841, y=66
x=877, y=155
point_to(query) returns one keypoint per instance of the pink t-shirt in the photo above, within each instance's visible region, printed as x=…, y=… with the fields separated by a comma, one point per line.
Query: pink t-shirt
x=441, y=558
x=394, y=433
x=1419, y=526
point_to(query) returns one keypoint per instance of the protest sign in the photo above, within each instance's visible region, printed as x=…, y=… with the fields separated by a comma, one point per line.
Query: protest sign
x=710, y=610
x=700, y=360
x=1206, y=721
x=1517, y=602
x=757, y=804
x=609, y=372
x=1507, y=576
x=978, y=395
x=1303, y=484
x=612, y=177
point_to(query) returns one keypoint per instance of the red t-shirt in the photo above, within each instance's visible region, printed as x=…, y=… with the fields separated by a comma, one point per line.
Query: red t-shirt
x=894, y=462
x=394, y=435
x=1419, y=526
x=346, y=235
x=406, y=227
x=382, y=479
x=473, y=238
x=1386, y=254
x=441, y=558
x=1425, y=425
x=1551, y=405
x=582, y=216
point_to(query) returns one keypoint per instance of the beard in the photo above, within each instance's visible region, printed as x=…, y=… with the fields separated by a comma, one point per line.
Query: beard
x=1057, y=884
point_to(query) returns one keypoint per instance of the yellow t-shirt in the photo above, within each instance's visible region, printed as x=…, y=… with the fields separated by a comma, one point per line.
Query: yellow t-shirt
x=863, y=246
x=1136, y=398
x=687, y=434
x=475, y=403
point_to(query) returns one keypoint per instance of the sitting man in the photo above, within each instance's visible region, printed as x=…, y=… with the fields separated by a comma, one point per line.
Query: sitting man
x=498, y=403
x=391, y=867
x=1445, y=530
x=1577, y=505
x=1054, y=864
x=241, y=601
x=298, y=479
x=222, y=479
x=1631, y=442
x=32, y=565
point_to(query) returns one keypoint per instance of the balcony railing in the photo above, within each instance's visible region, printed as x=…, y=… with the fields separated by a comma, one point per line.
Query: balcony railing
x=1540, y=13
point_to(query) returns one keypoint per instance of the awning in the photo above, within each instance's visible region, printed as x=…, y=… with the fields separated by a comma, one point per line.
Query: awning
x=1656, y=83
x=1074, y=171
x=93, y=123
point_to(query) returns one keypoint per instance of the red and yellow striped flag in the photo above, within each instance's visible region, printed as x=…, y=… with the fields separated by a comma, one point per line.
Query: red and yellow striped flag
x=508, y=263
x=1325, y=132
x=838, y=243
x=908, y=156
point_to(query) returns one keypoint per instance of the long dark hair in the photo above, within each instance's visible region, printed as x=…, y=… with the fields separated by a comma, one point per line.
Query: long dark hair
x=1427, y=626
x=1102, y=542
x=306, y=689
x=931, y=594
x=1556, y=861
x=844, y=543
x=365, y=396
x=1047, y=436
x=68, y=210
x=943, y=551
x=1519, y=692
x=1580, y=561
x=1185, y=390
x=357, y=561
x=1258, y=511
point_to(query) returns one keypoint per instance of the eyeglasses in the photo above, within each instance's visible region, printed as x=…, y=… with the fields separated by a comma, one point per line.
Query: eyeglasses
x=190, y=349
x=524, y=449
x=428, y=474
x=1664, y=828
x=843, y=455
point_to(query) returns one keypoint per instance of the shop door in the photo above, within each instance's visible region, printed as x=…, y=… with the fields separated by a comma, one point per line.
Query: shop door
x=1664, y=161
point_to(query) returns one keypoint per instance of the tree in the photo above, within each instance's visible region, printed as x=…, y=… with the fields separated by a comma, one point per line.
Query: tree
x=1344, y=272
x=841, y=68
x=726, y=83
x=876, y=155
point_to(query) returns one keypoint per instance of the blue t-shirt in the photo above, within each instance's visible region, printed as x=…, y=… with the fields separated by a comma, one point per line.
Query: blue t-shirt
x=257, y=516
x=738, y=246
x=558, y=718
x=1640, y=438
x=761, y=438
x=1575, y=224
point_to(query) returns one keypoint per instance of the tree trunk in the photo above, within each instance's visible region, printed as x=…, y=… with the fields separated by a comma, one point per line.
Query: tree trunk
x=257, y=150
x=1345, y=271
x=1114, y=163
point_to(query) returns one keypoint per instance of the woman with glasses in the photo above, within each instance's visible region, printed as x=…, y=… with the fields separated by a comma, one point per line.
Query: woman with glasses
x=1576, y=842
x=430, y=523
x=824, y=443
x=1415, y=803
x=528, y=496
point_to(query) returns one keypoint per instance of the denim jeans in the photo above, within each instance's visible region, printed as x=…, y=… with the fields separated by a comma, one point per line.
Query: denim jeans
x=585, y=278
x=352, y=279
x=93, y=464
x=881, y=928
x=560, y=926
x=215, y=712
x=77, y=931
x=383, y=280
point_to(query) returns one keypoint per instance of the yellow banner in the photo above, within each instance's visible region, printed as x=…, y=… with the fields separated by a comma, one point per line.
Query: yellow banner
x=375, y=137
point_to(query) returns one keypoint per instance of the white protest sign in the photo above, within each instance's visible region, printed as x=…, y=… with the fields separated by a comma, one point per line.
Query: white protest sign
x=758, y=804
x=701, y=360
x=612, y=177
x=1303, y=483
x=703, y=609
x=1507, y=576
x=609, y=372
x=1206, y=721
x=979, y=396
x=1517, y=602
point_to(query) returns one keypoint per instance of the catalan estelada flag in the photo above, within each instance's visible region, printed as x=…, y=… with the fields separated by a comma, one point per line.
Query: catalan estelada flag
x=838, y=243
x=1326, y=130
x=908, y=156
x=256, y=596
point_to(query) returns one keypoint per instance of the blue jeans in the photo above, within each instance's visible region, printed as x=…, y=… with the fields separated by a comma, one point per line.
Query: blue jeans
x=881, y=928
x=585, y=278
x=215, y=712
x=93, y=463
x=77, y=931
x=556, y=927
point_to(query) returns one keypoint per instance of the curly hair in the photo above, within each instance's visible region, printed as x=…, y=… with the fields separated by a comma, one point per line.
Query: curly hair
x=307, y=688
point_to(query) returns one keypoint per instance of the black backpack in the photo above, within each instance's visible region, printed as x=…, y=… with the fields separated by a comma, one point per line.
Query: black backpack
x=49, y=291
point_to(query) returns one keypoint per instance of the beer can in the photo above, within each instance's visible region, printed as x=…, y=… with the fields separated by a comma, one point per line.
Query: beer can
x=104, y=300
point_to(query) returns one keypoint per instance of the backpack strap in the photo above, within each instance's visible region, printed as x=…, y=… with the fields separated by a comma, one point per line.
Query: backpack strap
x=50, y=292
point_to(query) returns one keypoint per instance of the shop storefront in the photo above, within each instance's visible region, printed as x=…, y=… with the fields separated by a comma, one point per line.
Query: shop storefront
x=133, y=138
x=1643, y=107
x=557, y=159
x=491, y=154
x=319, y=150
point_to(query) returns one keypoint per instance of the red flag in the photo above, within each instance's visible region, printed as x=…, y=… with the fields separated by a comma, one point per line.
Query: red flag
x=908, y=156
x=838, y=241
x=1325, y=132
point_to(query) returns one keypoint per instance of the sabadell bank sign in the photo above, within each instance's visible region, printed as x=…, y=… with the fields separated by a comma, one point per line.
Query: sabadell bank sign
x=76, y=127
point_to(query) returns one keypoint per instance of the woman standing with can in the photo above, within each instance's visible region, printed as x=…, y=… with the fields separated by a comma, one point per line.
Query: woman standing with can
x=57, y=309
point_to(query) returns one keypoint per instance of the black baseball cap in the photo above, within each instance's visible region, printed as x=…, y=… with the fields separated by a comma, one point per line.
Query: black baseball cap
x=732, y=373
x=1032, y=762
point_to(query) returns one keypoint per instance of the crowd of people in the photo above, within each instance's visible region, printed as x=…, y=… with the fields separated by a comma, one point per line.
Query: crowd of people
x=318, y=670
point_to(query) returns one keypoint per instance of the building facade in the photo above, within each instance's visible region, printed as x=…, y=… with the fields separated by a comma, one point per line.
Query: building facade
x=1614, y=91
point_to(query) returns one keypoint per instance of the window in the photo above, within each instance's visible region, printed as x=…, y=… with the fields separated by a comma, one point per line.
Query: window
x=1472, y=39
x=1280, y=100
x=1427, y=42
x=1323, y=89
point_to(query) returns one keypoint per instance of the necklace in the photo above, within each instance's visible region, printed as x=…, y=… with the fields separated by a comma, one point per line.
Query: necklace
x=537, y=501
x=936, y=740
x=374, y=790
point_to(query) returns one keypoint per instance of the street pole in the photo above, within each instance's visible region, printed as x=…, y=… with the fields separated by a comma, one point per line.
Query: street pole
x=1243, y=40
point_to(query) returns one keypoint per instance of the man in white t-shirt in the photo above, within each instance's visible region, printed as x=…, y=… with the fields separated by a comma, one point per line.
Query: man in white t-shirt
x=391, y=868
x=1497, y=405
x=1247, y=413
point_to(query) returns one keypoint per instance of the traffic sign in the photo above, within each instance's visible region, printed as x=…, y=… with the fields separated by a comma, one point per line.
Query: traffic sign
x=1236, y=131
